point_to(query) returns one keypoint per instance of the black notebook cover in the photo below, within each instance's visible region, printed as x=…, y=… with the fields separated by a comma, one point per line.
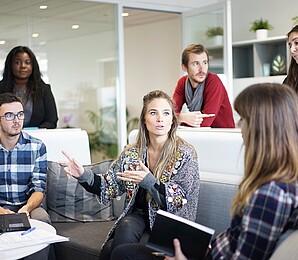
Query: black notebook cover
x=194, y=238
x=14, y=222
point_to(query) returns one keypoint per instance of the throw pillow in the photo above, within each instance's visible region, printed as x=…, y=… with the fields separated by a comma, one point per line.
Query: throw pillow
x=68, y=201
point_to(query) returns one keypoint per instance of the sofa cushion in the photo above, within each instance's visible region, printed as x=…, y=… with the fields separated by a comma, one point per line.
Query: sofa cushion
x=85, y=242
x=216, y=194
x=68, y=201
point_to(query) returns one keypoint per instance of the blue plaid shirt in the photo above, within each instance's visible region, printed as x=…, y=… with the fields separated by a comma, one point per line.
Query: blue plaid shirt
x=22, y=170
x=271, y=211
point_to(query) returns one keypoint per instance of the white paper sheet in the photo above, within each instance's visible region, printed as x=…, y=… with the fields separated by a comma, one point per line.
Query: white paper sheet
x=11, y=240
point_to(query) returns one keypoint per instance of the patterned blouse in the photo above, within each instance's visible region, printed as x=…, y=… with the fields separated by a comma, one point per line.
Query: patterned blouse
x=272, y=210
x=181, y=180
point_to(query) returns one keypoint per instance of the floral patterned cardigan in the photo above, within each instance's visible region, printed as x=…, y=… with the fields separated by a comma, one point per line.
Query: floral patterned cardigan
x=181, y=179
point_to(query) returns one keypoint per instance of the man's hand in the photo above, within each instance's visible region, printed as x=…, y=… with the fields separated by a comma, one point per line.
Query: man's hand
x=194, y=118
x=6, y=211
x=24, y=209
x=33, y=202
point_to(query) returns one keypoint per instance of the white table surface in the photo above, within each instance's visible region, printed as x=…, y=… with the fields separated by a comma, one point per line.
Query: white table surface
x=18, y=253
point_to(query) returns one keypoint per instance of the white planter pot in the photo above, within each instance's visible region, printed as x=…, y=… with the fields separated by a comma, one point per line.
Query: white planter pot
x=217, y=40
x=261, y=34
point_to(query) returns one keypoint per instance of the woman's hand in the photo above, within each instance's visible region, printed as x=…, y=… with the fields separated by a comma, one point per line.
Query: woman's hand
x=73, y=168
x=134, y=176
x=178, y=252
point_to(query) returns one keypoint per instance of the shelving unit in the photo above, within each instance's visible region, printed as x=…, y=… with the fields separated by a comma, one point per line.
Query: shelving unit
x=250, y=56
x=248, y=61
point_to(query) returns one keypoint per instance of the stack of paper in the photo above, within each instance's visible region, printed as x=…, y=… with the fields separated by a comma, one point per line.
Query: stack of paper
x=12, y=240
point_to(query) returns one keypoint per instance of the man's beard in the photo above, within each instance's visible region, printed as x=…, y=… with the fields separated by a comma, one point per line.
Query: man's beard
x=15, y=132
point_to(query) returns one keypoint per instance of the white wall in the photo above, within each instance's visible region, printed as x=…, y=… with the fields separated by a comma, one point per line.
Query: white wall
x=160, y=45
x=152, y=60
x=278, y=13
x=76, y=77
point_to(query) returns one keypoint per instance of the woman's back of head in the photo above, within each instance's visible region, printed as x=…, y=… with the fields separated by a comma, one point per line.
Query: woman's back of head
x=270, y=115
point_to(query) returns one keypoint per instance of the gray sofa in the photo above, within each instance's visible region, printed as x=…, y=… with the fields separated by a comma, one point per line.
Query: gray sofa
x=213, y=210
x=86, y=238
x=218, y=185
x=221, y=166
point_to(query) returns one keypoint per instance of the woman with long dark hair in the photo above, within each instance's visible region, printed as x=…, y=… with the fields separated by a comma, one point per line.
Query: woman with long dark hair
x=292, y=77
x=22, y=77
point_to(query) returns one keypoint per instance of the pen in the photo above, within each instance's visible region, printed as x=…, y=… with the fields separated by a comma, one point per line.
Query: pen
x=28, y=231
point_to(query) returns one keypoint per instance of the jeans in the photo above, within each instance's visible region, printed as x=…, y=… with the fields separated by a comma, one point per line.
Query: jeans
x=129, y=231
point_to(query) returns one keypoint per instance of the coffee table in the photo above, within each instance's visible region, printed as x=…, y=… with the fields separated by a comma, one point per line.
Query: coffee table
x=17, y=253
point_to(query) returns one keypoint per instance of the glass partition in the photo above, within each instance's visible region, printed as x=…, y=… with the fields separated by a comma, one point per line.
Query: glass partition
x=211, y=26
x=76, y=43
x=207, y=28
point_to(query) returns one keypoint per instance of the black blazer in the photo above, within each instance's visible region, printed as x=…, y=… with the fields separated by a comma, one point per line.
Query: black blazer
x=44, y=112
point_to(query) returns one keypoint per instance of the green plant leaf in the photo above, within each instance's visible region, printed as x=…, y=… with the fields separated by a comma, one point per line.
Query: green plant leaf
x=295, y=20
x=278, y=64
x=260, y=24
x=214, y=31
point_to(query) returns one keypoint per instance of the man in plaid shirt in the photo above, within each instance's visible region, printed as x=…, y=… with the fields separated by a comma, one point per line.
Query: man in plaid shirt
x=23, y=163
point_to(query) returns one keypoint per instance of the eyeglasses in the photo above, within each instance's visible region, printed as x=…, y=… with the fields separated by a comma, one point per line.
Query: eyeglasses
x=11, y=116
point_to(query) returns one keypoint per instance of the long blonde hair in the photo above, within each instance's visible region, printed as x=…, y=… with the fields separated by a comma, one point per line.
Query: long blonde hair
x=170, y=147
x=270, y=114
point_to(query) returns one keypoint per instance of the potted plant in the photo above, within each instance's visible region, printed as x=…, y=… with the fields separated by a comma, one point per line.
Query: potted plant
x=216, y=34
x=261, y=28
x=295, y=20
x=103, y=140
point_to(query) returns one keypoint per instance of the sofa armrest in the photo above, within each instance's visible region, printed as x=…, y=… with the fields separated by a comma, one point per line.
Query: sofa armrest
x=287, y=249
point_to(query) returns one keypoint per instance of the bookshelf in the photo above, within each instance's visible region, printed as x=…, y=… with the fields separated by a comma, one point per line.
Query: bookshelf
x=250, y=57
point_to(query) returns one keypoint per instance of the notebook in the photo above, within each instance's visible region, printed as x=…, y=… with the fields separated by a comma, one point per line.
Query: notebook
x=194, y=238
x=14, y=222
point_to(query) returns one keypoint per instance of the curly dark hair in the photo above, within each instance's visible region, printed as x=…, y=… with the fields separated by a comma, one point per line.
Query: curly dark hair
x=35, y=81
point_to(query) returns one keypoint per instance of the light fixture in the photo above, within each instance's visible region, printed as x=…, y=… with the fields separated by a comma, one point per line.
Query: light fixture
x=35, y=35
x=43, y=7
x=125, y=14
x=75, y=26
x=2, y=42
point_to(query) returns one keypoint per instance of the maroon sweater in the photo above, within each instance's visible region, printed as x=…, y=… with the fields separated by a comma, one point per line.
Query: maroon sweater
x=215, y=101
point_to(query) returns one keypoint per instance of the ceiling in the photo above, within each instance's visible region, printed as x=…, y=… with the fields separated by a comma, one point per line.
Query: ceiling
x=137, y=17
x=20, y=18
x=166, y=5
